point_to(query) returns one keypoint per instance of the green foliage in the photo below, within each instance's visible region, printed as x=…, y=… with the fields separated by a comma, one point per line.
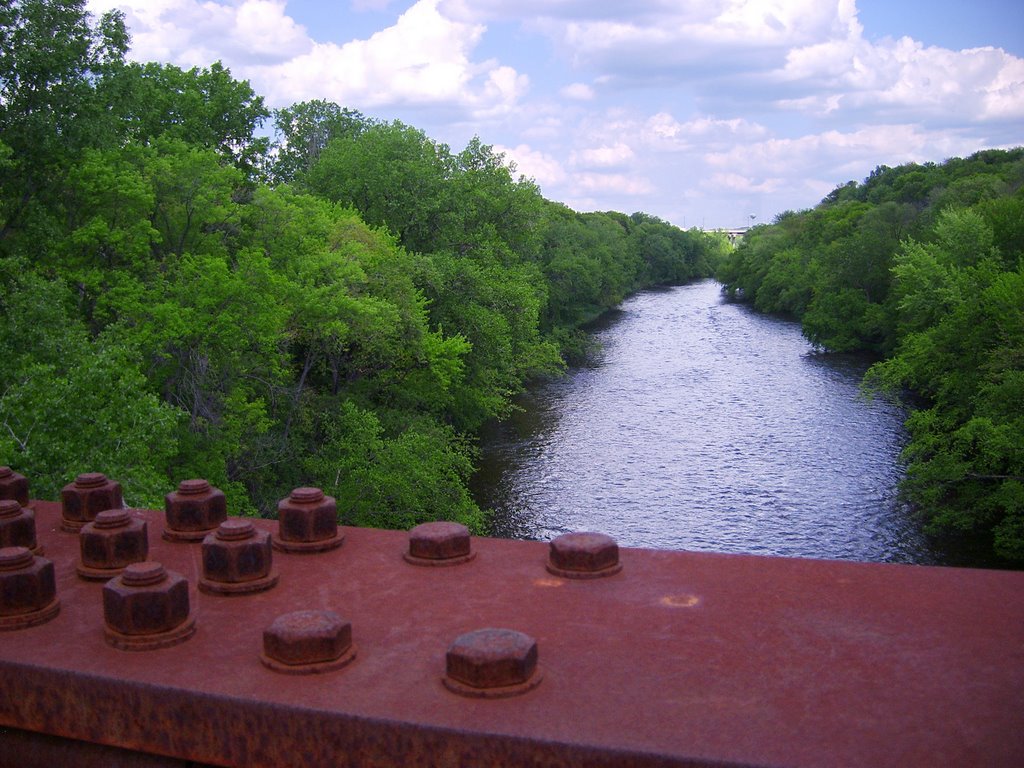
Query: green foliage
x=922, y=264
x=496, y=311
x=392, y=174
x=572, y=257
x=166, y=314
x=202, y=107
x=304, y=129
x=787, y=285
x=50, y=58
x=70, y=403
x=393, y=482
x=1005, y=215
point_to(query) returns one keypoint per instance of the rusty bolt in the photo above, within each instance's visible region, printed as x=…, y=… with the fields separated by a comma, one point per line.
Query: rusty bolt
x=237, y=559
x=147, y=607
x=492, y=663
x=439, y=543
x=28, y=589
x=584, y=556
x=307, y=521
x=110, y=542
x=18, y=526
x=194, y=510
x=82, y=500
x=307, y=642
x=13, y=486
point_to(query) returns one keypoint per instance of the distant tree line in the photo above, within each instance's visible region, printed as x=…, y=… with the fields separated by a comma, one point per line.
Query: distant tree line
x=343, y=305
x=924, y=266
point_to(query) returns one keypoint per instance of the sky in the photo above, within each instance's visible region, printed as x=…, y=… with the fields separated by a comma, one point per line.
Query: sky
x=706, y=113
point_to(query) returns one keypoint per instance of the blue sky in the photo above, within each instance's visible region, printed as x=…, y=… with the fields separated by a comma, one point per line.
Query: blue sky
x=703, y=112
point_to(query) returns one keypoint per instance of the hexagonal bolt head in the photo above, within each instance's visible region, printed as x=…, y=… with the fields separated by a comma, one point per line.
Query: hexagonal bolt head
x=305, y=638
x=194, y=510
x=145, y=600
x=584, y=555
x=490, y=659
x=28, y=588
x=237, y=552
x=439, y=543
x=110, y=542
x=17, y=525
x=13, y=486
x=439, y=540
x=307, y=515
x=90, y=494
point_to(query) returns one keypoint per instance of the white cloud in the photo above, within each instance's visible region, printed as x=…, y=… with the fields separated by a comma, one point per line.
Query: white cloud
x=534, y=164
x=370, y=5
x=536, y=9
x=687, y=38
x=804, y=55
x=617, y=183
x=902, y=76
x=503, y=88
x=193, y=33
x=578, y=92
x=543, y=125
x=613, y=156
x=663, y=131
x=1004, y=93
x=424, y=59
x=739, y=183
x=854, y=152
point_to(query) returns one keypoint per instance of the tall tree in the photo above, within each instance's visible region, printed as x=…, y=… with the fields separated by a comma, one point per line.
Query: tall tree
x=204, y=107
x=393, y=174
x=50, y=60
x=304, y=129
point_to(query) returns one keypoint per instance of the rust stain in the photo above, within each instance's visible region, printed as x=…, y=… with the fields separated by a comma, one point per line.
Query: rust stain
x=680, y=601
x=548, y=582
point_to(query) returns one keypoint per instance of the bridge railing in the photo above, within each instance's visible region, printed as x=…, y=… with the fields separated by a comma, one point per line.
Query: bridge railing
x=598, y=656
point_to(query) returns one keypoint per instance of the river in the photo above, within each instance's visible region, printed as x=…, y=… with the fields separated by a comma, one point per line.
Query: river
x=703, y=425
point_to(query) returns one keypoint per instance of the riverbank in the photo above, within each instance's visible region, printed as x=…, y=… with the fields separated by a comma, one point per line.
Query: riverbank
x=704, y=425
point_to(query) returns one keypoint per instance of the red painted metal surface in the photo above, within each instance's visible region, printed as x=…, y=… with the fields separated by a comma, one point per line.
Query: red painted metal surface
x=679, y=659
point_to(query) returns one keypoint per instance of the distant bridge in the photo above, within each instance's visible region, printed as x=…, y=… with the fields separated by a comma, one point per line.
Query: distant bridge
x=734, y=234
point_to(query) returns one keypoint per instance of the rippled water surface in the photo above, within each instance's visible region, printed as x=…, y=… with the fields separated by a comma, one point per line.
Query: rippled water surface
x=705, y=426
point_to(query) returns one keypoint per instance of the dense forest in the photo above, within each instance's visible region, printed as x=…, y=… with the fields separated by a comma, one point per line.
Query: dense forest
x=922, y=265
x=194, y=285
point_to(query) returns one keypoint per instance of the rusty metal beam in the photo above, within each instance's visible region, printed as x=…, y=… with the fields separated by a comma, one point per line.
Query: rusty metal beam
x=683, y=659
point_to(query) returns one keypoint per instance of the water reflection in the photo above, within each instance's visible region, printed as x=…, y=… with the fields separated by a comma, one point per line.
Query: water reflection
x=705, y=426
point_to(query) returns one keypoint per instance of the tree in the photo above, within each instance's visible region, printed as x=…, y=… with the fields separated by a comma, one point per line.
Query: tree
x=892, y=266
x=50, y=60
x=202, y=107
x=70, y=403
x=305, y=129
x=392, y=174
x=965, y=459
x=351, y=326
x=487, y=210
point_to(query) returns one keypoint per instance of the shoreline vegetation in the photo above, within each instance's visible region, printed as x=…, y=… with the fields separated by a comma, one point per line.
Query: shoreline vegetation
x=342, y=306
x=922, y=265
x=345, y=305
